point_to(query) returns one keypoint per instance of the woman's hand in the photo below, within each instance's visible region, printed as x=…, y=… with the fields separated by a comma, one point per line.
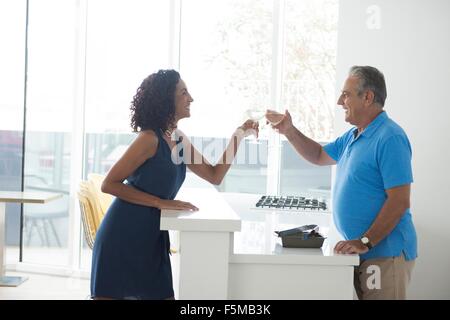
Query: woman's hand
x=249, y=127
x=176, y=205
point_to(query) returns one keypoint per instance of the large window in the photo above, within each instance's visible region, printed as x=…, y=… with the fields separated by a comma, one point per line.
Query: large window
x=126, y=41
x=225, y=58
x=51, y=84
x=232, y=59
x=308, y=89
x=12, y=57
x=309, y=65
x=87, y=58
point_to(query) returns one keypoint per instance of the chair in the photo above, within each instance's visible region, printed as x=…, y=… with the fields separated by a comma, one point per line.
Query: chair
x=42, y=221
x=104, y=198
x=93, y=206
x=87, y=213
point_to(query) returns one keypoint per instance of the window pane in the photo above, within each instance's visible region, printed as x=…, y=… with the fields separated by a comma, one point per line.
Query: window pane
x=226, y=63
x=300, y=177
x=125, y=43
x=12, y=58
x=310, y=65
x=119, y=57
x=50, y=101
x=308, y=85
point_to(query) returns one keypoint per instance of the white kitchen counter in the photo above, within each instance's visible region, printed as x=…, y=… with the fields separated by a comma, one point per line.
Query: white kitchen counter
x=228, y=250
x=205, y=242
x=257, y=242
x=261, y=268
x=214, y=213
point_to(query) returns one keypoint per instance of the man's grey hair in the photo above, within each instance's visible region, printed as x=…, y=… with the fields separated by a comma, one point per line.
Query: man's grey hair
x=372, y=79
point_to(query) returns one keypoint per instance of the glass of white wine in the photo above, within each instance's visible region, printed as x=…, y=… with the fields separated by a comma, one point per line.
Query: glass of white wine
x=274, y=117
x=256, y=114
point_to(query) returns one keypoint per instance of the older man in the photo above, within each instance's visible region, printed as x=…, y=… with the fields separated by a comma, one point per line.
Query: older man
x=371, y=193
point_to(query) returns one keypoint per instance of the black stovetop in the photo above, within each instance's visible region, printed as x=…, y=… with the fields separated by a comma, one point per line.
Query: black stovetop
x=291, y=203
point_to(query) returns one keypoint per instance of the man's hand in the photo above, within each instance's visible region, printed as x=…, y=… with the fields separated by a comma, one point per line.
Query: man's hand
x=284, y=125
x=350, y=246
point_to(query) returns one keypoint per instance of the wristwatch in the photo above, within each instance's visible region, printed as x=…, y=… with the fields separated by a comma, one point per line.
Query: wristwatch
x=365, y=241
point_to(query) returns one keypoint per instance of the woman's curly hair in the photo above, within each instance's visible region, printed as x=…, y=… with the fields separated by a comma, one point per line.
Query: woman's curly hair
x=153, y=105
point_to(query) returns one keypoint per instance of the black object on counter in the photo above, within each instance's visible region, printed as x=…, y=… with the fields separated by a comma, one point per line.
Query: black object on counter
x=306, y=236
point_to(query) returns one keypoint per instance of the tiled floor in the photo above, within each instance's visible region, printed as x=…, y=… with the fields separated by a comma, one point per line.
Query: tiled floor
x=58, y=256
x=46, y=287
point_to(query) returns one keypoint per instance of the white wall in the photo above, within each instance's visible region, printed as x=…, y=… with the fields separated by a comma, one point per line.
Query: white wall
x=410, y=44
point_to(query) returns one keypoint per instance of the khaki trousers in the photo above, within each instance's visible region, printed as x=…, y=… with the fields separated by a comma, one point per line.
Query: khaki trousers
x=383, y=279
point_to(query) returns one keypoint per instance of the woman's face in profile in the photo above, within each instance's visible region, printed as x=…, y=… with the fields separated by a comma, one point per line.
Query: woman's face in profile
x=183, y=101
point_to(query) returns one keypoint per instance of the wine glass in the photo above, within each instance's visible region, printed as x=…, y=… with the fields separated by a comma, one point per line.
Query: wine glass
x=274, y=117
x=256, y=114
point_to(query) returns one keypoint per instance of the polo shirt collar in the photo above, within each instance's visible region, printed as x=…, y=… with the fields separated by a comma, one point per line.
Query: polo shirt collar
x=372, y=127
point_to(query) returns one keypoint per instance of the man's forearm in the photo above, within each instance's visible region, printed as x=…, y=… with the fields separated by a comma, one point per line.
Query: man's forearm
x=386, y=220
x=306, y=147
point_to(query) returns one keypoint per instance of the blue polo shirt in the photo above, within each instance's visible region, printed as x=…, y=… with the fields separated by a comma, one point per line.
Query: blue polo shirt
x=367, y=165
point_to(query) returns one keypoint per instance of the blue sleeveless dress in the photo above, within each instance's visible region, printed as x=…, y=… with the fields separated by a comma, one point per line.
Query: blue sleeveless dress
x=130, y=258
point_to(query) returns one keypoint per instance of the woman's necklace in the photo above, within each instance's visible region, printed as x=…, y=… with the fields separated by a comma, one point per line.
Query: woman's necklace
x=169, y=132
